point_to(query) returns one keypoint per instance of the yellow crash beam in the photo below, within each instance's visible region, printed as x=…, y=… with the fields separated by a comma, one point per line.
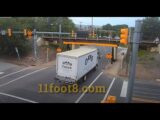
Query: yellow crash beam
x=87, y=43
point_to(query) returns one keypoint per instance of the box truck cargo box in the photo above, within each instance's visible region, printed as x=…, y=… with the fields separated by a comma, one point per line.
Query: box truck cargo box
x=73, y=65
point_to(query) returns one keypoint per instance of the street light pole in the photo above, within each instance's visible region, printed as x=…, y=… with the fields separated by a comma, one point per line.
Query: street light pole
x=34, y=40
x=60, y=31
x=92, y=26
x=92, y=23
x=51, y=28
x=80, y=25
x=35, y=43
x=60, y=27
x=136, y=39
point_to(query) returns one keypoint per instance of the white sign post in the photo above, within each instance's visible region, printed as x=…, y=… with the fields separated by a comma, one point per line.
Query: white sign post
x=17, y=53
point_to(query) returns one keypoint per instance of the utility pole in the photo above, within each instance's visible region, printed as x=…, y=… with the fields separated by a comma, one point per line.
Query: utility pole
x=47, y=55
x=60, y=31
x=80, y=25
x=128, y=51
x=92, y=24
x=60, y=20
x=136, y=39
x=35, y=43
x=92, y=27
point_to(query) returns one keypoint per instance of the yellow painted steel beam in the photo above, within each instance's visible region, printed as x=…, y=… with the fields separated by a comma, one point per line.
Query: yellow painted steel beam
x=87, y=43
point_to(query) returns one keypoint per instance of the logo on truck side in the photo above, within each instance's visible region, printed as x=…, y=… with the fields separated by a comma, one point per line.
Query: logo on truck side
x=89, y=58
x=67, y=64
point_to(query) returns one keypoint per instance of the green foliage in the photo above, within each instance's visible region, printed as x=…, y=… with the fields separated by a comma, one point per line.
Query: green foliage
x=53, y=46
x=141, y=53
x=151, y=28
x=8, y=44
x=146, y=55
x=107, y=27
x=151, y=58
x=115, y=29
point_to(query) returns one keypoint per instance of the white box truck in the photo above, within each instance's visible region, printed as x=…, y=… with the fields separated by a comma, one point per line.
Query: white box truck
x=74, y=65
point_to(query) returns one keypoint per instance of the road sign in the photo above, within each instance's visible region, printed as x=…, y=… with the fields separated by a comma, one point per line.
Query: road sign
x=110, y=99
x=16, y=49
x=3, y=32
x=59, y=50
x=109, y=56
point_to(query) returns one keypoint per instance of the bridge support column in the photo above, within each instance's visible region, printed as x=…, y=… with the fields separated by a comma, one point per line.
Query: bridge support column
x=75, y=46
x=114, y=53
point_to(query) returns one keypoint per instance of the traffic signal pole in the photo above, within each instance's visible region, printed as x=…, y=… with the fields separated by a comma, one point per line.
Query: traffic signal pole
x=136, y=39
x=35, y=43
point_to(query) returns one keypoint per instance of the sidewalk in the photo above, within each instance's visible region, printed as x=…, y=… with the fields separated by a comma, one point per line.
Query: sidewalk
x=113, y=69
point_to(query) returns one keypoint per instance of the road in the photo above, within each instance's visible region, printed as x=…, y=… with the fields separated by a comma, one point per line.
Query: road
x=24, y=84
x=146, y=91
x=21, y=85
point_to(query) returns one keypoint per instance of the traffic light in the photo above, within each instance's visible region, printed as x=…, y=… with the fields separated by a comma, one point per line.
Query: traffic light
x=72, y=34
x=124, y=36
x=9, y=32
x=29, y=34
x=25, y=32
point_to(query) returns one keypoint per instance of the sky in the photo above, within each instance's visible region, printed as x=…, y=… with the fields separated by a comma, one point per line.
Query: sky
x=130, y=21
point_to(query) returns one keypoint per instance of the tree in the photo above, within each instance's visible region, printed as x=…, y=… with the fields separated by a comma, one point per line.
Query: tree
x=114, y=28
x=150, y=28
x=107, y=27
x=7, y=44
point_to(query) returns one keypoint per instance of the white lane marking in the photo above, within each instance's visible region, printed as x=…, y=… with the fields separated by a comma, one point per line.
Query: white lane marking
x=1, y=73
x=15, y=72
x=20, y=98
x=88, y=87
x=109, y=89
x=22, y=77
x=124, y=89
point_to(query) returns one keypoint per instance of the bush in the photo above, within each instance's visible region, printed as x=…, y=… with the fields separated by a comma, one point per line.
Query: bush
x=7, y=46
x=53, y=46
x=141, y=53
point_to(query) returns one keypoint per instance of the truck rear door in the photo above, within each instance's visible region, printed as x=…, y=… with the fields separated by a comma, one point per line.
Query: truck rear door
x=67, y=67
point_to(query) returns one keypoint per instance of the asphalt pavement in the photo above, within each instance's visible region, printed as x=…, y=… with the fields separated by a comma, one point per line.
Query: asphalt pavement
x=21, y=85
